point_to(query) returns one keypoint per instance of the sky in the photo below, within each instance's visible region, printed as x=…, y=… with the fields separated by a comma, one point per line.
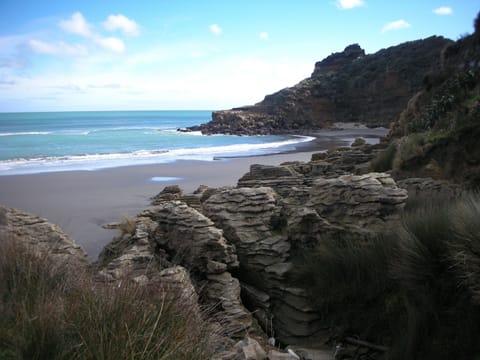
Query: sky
x=191, y=54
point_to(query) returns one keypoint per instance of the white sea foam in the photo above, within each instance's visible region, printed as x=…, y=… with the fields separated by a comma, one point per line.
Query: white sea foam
x=23, y=133
x=140, y=157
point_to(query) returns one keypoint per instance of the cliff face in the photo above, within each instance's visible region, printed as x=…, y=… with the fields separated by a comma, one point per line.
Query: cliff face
x=345, y=87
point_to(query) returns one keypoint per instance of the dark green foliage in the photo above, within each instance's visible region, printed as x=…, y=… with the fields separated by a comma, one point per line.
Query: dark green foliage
x=47, y=312
x=347, y=278
x=416, y=288
x=465, y=251
x=447, y=100
x=384, y=160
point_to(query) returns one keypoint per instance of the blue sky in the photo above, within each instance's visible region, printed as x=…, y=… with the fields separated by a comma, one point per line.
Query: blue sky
x=186, y=54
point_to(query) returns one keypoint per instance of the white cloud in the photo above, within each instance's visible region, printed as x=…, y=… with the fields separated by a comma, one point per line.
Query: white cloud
x=59, y=48
x=396, y=25
x=215, y=29
x=350, y=4
x=77, y=24
x=443, y=10
x=116, y=86
x=264, y=35
x=121, y=22
x=110, y=43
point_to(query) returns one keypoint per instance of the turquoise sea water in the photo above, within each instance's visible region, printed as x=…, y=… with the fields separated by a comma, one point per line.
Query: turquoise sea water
x=63, y=141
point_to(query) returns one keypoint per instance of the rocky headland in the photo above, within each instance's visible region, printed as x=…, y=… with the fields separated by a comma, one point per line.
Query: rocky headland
x=349, y=86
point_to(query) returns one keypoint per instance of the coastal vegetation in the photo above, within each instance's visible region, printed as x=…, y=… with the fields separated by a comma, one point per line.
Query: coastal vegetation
x=436, y=134
x=50, y=311
x=414, y=288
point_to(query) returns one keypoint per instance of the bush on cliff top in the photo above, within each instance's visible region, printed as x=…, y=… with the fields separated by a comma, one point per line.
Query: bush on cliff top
x=47, y=312
x=415, y=288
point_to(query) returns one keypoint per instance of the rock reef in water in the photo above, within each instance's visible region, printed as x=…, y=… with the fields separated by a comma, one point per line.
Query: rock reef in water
x=349, y=86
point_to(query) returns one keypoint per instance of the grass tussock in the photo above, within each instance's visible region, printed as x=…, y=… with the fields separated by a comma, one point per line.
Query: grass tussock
x=410, y=147
x=415, y=288
x=127, y=227
x=48, y=312
x=384, y=160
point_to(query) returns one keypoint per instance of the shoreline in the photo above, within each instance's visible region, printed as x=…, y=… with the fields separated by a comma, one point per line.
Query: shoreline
x=81, y=201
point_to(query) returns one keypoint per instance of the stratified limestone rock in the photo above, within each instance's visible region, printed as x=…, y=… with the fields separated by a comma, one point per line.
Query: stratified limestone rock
x=279, y=178
x=192, y=240
x=174, y=192
x=130, y=256
x=169, y=239
x=269, y=227
x=42, y=237
x=364, y=202
x=255, y=233
x=250, y=220
x=245, y=215
x=330, y=164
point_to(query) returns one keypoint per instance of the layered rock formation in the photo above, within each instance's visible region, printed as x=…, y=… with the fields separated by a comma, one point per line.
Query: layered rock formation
x=169, y=238
x=245, y=240
x=269, y=230
x=345, y=87
x=41, y=237
x=240, y=245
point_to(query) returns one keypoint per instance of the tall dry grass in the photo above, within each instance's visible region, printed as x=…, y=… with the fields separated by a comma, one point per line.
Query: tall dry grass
x=49, y=312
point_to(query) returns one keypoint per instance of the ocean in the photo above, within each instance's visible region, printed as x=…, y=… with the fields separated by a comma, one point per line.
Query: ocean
x=66, y=141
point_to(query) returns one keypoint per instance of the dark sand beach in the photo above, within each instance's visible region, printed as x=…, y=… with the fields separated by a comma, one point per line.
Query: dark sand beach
x=81, y=201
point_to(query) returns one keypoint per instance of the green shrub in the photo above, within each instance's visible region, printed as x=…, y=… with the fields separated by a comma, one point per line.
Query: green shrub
x=48, y=313
x=348, y=279
x=465, y=248
x=409, y=148
x=384, y=160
